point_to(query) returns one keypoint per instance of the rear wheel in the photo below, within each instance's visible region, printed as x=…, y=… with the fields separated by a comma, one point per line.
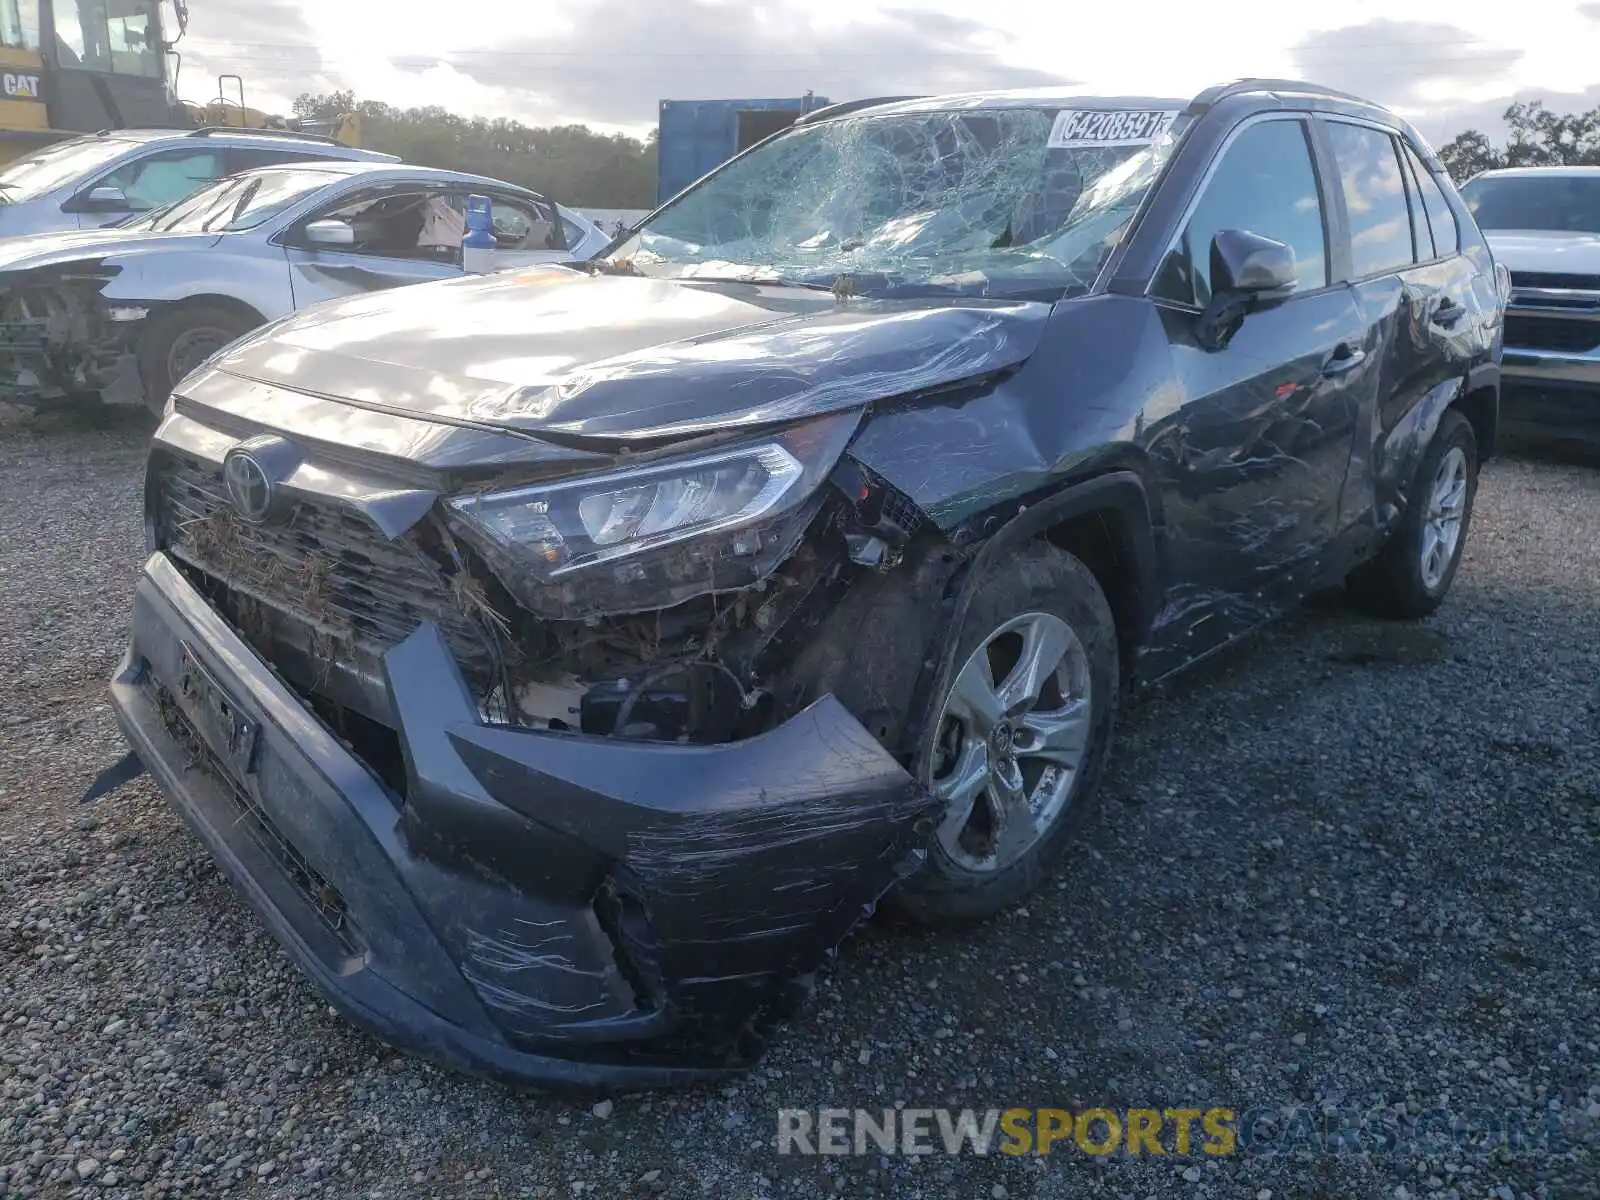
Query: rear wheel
x=1414, y=570
x=1021, y=736
x=178, y=340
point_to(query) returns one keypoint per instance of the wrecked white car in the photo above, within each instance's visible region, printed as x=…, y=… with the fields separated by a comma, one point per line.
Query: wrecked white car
x=119, y=316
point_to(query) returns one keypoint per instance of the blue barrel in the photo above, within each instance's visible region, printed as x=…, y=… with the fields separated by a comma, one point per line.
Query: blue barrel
x=480, y=224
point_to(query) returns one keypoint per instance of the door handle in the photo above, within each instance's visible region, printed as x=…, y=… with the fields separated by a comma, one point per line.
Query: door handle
x=1344, y=358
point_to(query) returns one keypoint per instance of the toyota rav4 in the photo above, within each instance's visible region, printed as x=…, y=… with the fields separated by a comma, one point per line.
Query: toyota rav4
x=562, y=662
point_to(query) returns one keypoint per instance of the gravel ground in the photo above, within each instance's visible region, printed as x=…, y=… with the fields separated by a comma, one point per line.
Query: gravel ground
x=1347, y=864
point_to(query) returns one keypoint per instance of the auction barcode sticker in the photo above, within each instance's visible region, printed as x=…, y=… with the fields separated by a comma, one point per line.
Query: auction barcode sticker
x=1076, y=128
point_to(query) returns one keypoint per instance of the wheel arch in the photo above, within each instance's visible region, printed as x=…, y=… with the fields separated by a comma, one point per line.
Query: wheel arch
x=214, y=301
x=1480, y=404
x=1108, y=521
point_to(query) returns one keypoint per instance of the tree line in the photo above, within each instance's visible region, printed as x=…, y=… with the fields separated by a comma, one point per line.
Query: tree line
x=571, y=164
x=575, y=165
x=1537, y=138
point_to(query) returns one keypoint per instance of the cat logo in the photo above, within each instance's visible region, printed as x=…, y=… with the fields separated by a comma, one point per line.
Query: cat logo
x=20, y=87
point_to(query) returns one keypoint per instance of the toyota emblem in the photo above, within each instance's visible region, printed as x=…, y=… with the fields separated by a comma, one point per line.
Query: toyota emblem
x=252, y=471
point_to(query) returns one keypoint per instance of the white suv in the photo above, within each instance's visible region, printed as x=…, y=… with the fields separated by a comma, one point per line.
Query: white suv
x=105, y=178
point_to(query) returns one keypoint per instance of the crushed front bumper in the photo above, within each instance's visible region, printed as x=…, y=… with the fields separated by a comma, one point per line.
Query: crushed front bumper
x=538, y=907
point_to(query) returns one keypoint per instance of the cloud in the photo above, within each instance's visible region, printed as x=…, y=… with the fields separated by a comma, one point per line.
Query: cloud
x=1398, y=63
x=1488, y=117
x=268, y=42
x=1592, y=11
x=623, y=57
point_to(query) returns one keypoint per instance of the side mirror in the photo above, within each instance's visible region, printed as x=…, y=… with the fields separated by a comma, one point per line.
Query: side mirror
x=106, y=199
x=330, y=233
x=1246, y=269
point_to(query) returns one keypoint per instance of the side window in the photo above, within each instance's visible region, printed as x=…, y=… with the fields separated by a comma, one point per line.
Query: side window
x=1374, y=199
x=1446, y=234
x=76, y=43
x=246, y=158
x=1421, y=236
x=1264, y=184
x=165, y=177
x=398, y=224
x=519, y=225
x=574, y=232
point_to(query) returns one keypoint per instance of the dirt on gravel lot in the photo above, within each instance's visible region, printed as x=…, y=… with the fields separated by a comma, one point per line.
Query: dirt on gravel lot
x=1346, y=865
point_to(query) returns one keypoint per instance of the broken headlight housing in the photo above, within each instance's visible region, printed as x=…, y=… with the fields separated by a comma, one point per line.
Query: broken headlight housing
x=659, y=533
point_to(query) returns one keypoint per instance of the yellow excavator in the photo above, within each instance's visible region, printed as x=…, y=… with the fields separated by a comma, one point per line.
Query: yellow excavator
x=226, y=111
x=70, y=67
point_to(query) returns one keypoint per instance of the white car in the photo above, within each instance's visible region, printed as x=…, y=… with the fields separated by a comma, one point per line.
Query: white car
x=109, y=178
x=122, y=314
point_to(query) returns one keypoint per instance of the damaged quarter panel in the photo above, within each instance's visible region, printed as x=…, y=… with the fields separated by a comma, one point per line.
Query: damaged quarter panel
x=1424, y=282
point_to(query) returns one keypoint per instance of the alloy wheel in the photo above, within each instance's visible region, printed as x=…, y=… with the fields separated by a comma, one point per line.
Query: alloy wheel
x=1013, y=731
x=1446, y=512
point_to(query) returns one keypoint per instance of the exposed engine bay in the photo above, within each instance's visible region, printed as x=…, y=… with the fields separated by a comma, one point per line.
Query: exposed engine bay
x=59, y=338
x=324, y=600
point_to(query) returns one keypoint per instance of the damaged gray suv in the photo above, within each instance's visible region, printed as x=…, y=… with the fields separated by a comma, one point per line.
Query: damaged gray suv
x=562, y=662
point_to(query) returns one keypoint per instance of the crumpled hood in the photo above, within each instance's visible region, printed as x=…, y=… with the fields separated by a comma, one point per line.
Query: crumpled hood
x=621, y=358
x=28, y=251
x=1546, y=250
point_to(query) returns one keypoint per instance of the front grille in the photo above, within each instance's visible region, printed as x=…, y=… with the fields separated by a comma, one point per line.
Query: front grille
x=326, y=566
x=320, y=896
x=1546, y=279
x=1551, y=333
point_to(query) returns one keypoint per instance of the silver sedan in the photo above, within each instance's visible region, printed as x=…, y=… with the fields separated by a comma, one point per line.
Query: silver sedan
x=120, y=315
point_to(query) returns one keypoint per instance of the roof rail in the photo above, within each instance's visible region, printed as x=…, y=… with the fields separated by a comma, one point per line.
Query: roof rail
x=1222, y=91
x=850, y=106
x=210, y=130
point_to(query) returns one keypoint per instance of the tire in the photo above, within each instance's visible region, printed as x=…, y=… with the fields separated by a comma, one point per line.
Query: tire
x=178, y=340
x=1412, y=573
x=971, y=871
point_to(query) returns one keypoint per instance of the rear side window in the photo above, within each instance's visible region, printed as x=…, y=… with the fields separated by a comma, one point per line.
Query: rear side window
x=1442, y=221
x=245, y=158
x=1374, y=199
x=1264, y=184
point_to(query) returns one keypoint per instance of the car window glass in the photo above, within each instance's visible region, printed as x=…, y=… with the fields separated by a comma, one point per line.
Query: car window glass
x=1374, y=199
x=575, y=232
x=245, y=158
x=1446, y=235
x=1263, y=184
x=1421, y=236
x=519, y=226
x=164, y=178
x=403, y=224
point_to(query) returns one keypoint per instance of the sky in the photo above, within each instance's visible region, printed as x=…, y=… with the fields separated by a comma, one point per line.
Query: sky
x=608, y=63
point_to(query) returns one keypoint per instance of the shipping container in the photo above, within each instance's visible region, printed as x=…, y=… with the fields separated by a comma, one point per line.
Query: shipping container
x=696, y=136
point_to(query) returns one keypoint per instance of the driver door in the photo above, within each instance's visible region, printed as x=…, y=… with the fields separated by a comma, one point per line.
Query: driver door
x=1251, y=461
x=401, y=234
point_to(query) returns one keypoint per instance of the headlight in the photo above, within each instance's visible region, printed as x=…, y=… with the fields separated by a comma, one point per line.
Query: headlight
x=654, y=535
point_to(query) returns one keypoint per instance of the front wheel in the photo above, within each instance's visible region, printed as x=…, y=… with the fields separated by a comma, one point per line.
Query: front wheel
x=1411, y=574
x=1021, y=736
x=179, y=340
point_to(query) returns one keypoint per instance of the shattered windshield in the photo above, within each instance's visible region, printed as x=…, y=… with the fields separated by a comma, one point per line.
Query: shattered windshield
x=239, y=202
x=54, y=165
x=996, y=201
